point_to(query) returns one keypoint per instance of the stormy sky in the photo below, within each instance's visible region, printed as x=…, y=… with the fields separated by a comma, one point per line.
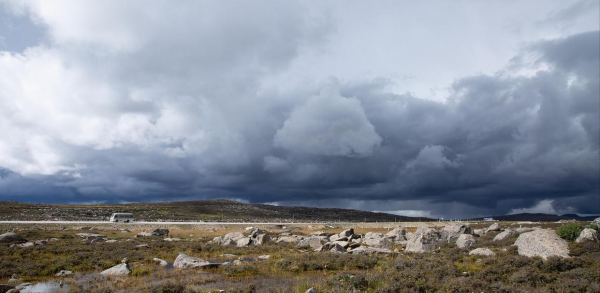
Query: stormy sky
x=424, y=108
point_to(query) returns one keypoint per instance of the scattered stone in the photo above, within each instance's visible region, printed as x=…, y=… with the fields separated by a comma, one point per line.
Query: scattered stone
x=378, y=242
x=289, y=239
x=160, y=232
x=264, y=257
x=505, y=234
x=479, y=232
x=335, y=247
x=310, y=242
x=11, y=237
x=373, y=235
x=118, y=270
x=144, y=234
x=482, y=251
x=237, y=262
x=64, y=273
x=233, y=236
x=41, y=242
x=111, y=241
x=172, y=239
x=493, y=227
x=243, y=242
x=370, y=250
x=311, y=290
x=587, y=235
x=26, y=244
x=143, y=246
x=261, y=239
x=161, y=262
x=424, y=240
x=188, y=262
x=451, y=233
x=397, y=235
x=465, y=240
x=89, y=238
x=542, y=243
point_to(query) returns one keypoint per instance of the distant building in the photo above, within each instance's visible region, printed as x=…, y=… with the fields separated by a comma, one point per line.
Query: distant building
x=488, y=219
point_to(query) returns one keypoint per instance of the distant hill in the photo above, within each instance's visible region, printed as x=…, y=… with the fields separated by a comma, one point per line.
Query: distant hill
x=206, y=210
x=539, y=217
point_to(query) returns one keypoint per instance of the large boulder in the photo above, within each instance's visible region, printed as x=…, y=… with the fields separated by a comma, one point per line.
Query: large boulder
x=397, y=235
x=118, y=270
x=188, y=262
x=482, y=251
x=542, y=243
x=587, y=235
x=11, y=237
x=451, y=233
x=596, y=222
x=310, y=242
x=493, y=227
x=465, y=240
x=505, y=234
x=424, y=240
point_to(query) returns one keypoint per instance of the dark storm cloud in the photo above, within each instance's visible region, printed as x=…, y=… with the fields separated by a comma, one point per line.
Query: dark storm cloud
x=126, y=118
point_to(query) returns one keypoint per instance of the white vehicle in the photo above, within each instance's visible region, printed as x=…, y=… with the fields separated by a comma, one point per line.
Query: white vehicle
x=121, y=217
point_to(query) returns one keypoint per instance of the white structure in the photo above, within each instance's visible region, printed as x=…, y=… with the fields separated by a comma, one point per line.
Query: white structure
x=121, y=217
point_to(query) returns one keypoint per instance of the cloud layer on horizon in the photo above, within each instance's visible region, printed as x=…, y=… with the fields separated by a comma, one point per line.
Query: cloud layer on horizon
x=123, y=104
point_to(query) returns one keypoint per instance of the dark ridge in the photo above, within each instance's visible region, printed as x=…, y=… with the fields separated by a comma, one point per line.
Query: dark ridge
x=214, y=210
x=539, y=217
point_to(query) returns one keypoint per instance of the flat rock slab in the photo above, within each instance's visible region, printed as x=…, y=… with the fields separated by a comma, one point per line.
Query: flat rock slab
x=118, y=270
x=184, y=261
x=542, y=243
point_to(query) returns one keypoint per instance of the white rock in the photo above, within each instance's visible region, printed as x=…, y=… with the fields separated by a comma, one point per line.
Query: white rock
x=482, y=251
x=587, y=235
x=542, y=243
x=188, y=262
x=118, y=270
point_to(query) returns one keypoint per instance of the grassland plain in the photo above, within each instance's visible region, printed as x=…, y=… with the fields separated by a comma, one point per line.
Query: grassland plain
x=290, y=269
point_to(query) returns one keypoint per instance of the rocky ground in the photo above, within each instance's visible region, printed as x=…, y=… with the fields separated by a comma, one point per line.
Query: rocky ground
x=388, y=257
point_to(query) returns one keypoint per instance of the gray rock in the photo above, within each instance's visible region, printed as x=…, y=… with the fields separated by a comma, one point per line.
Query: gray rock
x=451, y=233
x=118, y=270
x=264, y=257
x=397, y=235
x=175, y=239
x=64, y=273
x=479, y=232
x=11, y=237
x=482, y=251
x=144, y=234
x=596, y=222
x=505, y=234
x=188, y=262
x=465, y=240
x=143, y=246
x=261, y=239
x=337, y=248
x=218, y=240
x=347, y=233
x=343, y=244
x=41, y=242
x=310, y=242
x=233, y=236
x=161, y=262
x=160, y=232
x=311, y=290
x=373, y=235
x=26, y=244
x=542, y=243
x=424, y=240
x=378, y=242
x=243, y=242
x=289, y=239
x=586, y=235
x=493, y=227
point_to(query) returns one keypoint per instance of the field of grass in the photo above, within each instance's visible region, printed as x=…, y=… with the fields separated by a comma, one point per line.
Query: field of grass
x=289, y=269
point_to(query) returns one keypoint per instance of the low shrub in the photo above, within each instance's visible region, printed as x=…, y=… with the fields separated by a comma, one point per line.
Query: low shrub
x=569, y=232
